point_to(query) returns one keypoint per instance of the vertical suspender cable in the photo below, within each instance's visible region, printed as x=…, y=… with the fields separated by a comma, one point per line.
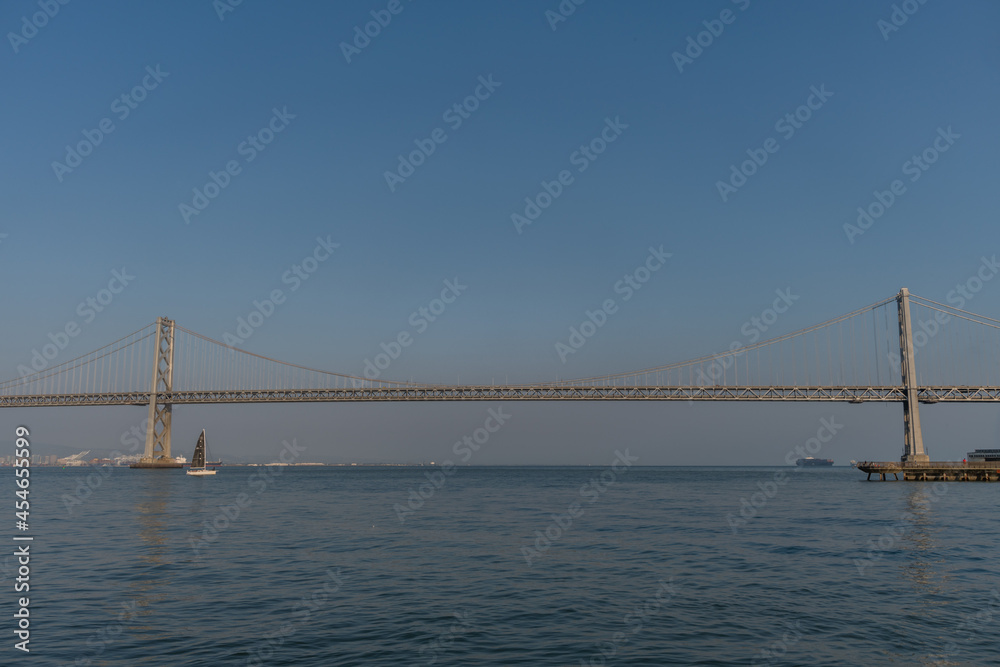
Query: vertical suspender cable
x=795, y=363
x=819, y=364
x=885, y=317
x=867, y=363
x=781, y=364
x=854, y=358
x=969, y=356
x=829, y=354
x=840, y=350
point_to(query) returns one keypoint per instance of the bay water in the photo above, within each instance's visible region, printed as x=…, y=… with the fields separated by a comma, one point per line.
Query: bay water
x=626, y=565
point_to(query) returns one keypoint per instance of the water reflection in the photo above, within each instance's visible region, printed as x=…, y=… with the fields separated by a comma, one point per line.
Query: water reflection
x=922, y=564
x=151, y=515
x=919, y=543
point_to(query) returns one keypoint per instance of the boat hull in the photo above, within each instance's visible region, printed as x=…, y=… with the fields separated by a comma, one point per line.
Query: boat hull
x=200, y=473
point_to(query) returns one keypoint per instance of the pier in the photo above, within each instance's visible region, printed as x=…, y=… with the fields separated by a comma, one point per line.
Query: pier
x=933, y=471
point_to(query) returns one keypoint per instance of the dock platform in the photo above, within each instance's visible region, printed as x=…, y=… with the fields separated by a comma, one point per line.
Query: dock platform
x=932, y=471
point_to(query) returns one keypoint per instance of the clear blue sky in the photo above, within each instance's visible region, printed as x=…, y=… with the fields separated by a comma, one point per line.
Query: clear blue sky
x=551, y=91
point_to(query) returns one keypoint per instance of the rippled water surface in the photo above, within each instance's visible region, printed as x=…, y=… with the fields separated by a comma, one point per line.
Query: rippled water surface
x=655, y=568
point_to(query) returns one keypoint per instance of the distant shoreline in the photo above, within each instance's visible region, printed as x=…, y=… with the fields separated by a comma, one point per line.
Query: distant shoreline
x=435, y=465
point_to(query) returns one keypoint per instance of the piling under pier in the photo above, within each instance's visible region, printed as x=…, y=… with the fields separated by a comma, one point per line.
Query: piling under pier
x=932, y=471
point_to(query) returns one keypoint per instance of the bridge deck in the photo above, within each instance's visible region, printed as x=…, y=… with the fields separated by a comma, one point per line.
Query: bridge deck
x=964, y=394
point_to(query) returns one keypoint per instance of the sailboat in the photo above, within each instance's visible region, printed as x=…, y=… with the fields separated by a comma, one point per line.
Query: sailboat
x=198, y=459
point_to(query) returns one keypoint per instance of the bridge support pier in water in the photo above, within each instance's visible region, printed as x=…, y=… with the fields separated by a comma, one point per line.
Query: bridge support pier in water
x=915, y=465
x=157, y=453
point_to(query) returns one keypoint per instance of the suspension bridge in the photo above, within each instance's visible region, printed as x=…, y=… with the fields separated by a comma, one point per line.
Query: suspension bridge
x=869, y=354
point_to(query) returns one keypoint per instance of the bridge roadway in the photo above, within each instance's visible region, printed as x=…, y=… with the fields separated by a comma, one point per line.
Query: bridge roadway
x=960, y=394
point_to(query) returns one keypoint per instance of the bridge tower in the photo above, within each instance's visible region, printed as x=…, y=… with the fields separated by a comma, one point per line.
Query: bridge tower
x=157, y=454
x=913, y=450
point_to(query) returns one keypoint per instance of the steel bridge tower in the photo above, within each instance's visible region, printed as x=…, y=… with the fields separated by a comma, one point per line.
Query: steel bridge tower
x=913, y=449
x=157, y=454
